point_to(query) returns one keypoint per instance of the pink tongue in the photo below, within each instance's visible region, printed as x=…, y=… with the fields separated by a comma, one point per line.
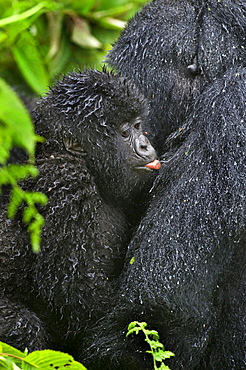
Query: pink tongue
x=155, y=165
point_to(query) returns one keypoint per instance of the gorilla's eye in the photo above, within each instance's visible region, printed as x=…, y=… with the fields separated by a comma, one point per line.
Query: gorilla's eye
x=125, y=133
x=137, y=125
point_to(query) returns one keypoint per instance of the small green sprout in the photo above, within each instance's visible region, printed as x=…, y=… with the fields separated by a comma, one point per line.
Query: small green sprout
x=152, y=338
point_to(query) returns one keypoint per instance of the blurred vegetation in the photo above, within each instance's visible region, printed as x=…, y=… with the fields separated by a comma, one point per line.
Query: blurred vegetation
x=41, y=39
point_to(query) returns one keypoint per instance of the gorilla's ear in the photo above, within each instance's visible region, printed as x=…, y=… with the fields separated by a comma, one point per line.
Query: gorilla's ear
x=72, y=145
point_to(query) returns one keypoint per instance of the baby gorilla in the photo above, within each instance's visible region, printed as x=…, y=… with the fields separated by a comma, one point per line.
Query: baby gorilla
x=94, y=164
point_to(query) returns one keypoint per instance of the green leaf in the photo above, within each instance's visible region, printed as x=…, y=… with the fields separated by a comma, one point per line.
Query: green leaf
x=18, y=22
x=13, y=354
x=112, y=23
x=136, y=327
x=29, y=61
x=28, y=214
x=85, y=6
x=58, y=63
x=5, y=142
x=4, y=176
x=82, y=36
x=13, y=359
x=3, y=36
x=167, y=354
x=18, y=17
x=164, y=367
x=6, y=364
x=20, y=172
x=112, y=12
x=15, y=115
x=153, y=333
x=154, y=345
x=35, y=229
x=37, y=197
x=6, y=348
x=16, y=200
x=55, y=20
x=48, y=359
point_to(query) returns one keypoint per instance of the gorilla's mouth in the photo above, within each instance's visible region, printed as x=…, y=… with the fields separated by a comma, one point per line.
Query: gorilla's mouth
x=154, y=165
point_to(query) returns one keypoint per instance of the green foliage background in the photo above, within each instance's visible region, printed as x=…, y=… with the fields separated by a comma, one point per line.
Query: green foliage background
x=40, y=40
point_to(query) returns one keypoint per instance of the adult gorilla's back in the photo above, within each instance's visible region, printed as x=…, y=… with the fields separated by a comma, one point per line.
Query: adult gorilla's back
x=188, y=278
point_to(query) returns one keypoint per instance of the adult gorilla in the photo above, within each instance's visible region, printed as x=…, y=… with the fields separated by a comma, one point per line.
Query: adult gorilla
x=188, y=278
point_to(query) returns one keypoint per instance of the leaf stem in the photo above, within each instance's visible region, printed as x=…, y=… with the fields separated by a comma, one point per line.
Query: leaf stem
x=19, y=17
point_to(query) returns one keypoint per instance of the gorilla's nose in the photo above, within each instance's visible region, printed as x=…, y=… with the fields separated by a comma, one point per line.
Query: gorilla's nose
x=145, y=149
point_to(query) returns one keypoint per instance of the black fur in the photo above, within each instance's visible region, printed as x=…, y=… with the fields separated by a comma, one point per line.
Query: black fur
x=188, y=278
x=174, y=49
x=50, y=299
